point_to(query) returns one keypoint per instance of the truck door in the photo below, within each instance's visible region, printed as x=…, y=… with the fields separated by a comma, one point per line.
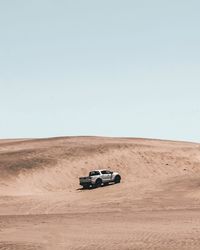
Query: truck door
x=105, y=176
x=109, y=175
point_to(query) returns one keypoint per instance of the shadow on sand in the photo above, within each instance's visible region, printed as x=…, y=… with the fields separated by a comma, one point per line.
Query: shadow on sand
x=92, y=187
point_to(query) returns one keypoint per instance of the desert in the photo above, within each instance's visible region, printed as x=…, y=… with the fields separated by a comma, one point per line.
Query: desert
x=156, y=205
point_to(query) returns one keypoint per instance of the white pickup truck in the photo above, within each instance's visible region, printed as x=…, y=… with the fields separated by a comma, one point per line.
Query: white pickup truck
x=97, y=178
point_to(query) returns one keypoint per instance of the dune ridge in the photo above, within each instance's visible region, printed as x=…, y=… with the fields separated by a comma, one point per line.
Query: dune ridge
x=54, y=165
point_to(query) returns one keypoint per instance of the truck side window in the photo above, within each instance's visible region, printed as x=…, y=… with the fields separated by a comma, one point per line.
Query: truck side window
x=94, y=173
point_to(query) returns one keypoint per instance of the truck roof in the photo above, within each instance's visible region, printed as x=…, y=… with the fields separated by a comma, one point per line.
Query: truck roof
x=99, y=170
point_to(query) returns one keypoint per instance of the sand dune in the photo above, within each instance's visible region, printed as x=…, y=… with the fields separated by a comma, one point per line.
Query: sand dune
x=156, y=206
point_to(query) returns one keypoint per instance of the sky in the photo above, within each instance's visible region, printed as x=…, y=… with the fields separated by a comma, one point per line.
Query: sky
x=104, y=68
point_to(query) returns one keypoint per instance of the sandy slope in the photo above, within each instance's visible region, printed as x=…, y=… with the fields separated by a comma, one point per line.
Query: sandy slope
x=156, y=206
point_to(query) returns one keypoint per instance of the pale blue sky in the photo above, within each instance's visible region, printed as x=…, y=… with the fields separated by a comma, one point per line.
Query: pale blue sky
x=109, y=67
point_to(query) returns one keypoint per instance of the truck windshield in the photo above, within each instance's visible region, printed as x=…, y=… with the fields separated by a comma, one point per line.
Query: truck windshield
x=94, y=173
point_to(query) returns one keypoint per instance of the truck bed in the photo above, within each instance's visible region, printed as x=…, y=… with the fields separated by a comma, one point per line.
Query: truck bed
x=84, y=180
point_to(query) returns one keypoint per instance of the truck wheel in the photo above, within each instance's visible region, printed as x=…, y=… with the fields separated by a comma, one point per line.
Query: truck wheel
x=98, y=183
x=117, y=179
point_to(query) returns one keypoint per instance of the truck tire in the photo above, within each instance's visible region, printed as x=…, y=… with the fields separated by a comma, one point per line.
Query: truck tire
x=98, y=183
x=117, y=179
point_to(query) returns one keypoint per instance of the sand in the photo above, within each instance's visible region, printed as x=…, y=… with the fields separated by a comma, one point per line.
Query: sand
x=156, y=206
